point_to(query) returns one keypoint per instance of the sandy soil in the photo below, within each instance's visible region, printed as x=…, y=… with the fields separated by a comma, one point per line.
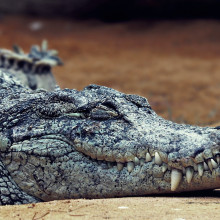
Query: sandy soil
x=196, y=206
x=175, y=64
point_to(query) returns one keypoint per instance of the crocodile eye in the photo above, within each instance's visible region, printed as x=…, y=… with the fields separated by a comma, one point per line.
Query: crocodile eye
x=103, y=113
x=48, y=112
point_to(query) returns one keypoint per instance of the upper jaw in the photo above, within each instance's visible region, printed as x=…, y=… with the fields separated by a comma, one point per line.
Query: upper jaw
x=186, y=167
x=180, y=167
x=178, y=145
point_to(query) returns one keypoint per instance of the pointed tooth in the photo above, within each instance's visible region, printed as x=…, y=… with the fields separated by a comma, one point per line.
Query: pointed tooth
x=214, y=164
x=120, y=166
x=210, y=165
x=130, y=166
x=136, y=161
x=158, y=160
x=200, y=169
x=218, y=159
x=148, y=157
x=189, y=174
x=205, y=166
x=164, y=167
x=176, y=177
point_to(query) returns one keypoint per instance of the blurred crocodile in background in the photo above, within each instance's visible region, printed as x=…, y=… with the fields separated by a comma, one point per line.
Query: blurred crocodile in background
x=96, y=143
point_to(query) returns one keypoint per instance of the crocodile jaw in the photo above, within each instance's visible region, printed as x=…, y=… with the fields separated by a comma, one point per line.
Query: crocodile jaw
x=150, y=172
x=133, y=153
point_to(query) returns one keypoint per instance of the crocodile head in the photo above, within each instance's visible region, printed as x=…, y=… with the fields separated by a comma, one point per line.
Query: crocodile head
x=98, y=143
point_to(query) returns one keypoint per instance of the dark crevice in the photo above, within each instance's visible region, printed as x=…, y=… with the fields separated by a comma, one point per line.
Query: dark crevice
x=21, y=64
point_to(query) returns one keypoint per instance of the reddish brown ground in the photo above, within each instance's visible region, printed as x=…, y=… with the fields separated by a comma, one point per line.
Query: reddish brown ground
x=175, y=64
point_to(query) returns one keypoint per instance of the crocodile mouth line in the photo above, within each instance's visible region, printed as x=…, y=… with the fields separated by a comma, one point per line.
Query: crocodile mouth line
x=206, y=162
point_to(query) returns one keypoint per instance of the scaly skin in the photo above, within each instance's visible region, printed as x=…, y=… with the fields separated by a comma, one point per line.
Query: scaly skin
x=95, y=143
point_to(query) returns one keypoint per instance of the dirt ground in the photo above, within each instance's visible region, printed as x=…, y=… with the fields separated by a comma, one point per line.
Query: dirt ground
x=175, y=64
x=172, y=208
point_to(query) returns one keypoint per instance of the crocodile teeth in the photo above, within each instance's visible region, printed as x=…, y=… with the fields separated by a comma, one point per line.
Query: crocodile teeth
x=176, y=177
x=200, y=169
x=148, y=157
x=205, y=166
x=218, y=159
x=210, y=165
x=130, y=166
x=189, y=174
x=158, y=160
x=136, y=161
x=120, y=166
x=214, y=164
x=164, y=168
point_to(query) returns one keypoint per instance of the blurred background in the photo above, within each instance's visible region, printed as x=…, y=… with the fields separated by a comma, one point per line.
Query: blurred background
x=165, y=50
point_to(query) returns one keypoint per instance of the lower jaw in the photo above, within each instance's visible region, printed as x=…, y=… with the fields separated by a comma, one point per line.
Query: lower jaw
x=155, y=179
x=149, y=185
x=209, y=180
x=153, y=185
x=145, y=180
x=168, y=179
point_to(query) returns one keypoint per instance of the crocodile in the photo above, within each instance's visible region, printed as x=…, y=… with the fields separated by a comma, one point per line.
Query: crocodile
x=95, y=143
